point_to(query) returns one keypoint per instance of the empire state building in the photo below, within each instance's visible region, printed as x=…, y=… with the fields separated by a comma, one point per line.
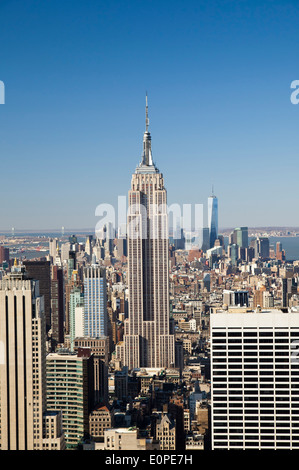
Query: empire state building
x=147, y=338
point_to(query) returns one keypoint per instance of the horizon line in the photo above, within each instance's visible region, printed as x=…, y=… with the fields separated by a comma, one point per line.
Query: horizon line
x=82, y=229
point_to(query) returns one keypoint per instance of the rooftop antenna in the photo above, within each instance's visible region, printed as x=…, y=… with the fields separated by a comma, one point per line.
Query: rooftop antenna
x=146, y=114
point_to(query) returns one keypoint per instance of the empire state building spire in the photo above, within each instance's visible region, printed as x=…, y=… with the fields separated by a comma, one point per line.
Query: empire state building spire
x=148, y=338
x=147, y=159
x=146, y=114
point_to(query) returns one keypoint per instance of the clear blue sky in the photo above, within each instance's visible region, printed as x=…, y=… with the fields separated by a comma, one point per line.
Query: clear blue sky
x=218, y=77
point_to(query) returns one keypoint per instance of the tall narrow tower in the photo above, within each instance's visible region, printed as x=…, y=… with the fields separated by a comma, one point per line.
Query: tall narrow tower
x=213, y=218
x=147, y=338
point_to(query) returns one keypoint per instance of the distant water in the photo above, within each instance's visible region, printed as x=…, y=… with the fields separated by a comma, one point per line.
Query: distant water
x=43, y=242
x=47, y=235
x=289, y=244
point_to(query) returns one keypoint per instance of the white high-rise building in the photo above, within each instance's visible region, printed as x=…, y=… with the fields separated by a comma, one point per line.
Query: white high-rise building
x=76, y=301
x=65, y=252
x=147, y=338
x=255, y=379
x=53, y=244
x=79, y=321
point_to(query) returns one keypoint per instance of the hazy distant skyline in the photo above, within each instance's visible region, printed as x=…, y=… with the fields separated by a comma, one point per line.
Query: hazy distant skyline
x=218, y=78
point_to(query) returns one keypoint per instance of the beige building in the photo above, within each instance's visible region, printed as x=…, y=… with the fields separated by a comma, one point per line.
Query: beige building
x=53, y=432
x=23, y=366
x=194, y=441
x=147, y=338
x=187, y=345
x=100, y=420
x=165, y=433
x=125, y=439
x=119, y=352
x=186, y=420
x=202, y=417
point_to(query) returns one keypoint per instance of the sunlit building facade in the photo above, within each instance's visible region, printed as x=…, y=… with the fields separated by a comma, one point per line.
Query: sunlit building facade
x=147, y=338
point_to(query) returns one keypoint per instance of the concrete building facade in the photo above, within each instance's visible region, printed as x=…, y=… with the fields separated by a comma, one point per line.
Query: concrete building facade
x=255, y=379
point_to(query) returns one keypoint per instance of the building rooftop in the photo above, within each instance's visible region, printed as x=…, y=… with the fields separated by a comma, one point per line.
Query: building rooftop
x=238, y=309
x=123, y=430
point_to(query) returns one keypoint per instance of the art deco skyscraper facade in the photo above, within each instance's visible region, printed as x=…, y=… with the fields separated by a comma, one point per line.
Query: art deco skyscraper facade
x=147, y=338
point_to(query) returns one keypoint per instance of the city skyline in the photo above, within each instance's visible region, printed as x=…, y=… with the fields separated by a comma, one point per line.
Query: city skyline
x=222, y=107
x=149, y=261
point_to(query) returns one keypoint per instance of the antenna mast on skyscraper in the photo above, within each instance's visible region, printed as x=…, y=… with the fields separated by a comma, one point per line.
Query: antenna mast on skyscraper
x=146, y=114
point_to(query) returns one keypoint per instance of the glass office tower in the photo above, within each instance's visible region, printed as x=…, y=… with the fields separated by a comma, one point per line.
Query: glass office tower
x=213, y=219
x=95, y=302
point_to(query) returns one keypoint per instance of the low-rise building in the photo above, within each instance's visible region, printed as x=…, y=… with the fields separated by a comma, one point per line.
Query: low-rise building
x=194, y=441
x=125, y=439
x=53, y=437
x=166, y=432
x=100, y=419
